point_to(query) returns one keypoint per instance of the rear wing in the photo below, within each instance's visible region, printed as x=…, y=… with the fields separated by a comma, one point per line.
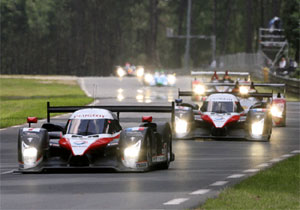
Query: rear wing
x=263, y=95
x=278, y=85
x=209, y=73
x=117, y=109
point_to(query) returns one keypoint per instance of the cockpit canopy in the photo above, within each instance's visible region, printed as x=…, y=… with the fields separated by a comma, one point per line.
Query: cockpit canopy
x=86, y=127
x=221, y=103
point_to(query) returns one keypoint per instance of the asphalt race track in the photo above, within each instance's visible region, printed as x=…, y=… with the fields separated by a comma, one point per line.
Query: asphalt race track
x=200, y=170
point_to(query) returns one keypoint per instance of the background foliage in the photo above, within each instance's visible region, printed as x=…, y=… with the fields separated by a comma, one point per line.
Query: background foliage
x=90, y=37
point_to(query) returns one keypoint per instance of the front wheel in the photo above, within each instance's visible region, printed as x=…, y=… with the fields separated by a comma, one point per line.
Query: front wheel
x=165, y=132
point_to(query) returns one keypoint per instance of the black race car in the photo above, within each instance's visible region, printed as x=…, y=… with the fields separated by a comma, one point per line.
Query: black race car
x=93, y=138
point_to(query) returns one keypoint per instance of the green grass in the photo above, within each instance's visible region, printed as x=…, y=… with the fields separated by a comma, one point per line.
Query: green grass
x=20, y=98
x=274, y=188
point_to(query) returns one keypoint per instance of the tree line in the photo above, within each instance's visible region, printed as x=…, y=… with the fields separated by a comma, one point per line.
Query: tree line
x=90, y=37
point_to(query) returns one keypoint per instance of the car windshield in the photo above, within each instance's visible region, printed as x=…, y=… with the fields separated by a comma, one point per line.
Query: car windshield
x=220, y=107
x=88, y=127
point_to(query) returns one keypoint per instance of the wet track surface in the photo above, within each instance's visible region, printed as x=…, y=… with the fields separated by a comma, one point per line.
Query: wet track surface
x=200, y=170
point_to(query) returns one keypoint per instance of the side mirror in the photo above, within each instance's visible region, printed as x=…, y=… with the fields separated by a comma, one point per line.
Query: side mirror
x=31, y=120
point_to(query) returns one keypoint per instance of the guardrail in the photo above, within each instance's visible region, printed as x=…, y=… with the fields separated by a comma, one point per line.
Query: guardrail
x=293, y=85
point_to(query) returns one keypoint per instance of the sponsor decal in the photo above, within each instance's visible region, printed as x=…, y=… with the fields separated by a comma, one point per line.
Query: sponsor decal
x=31, y=129
x=89, y=116
x=135, y=129
x=141, y=165
x=80, y=142
x=219, y=118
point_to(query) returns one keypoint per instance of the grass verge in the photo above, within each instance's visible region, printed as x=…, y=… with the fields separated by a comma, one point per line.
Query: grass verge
x=20, y=98
x=274, y=188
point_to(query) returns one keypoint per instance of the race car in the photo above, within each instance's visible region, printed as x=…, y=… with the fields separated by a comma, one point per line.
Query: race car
x=198, y=85
x=278, y=101
x=159, y=79
x=93, y=138
x=222, y=116
x=129, y=70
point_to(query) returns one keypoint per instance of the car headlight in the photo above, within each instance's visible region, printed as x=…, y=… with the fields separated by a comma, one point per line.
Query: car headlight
x=180, y=125
x=140, y=72
x=120, y=72
x=132, y=152
x=244, y=90
x=257, y=128
x=171, y=79
x=29, y=155
x=199, y=89
x=275, y=111
x=148, y=78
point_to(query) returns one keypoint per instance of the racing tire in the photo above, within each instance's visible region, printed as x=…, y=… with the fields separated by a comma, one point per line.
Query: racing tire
x=165, y=131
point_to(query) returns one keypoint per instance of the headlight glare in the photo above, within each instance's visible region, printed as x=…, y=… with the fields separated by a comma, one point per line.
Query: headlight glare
x=257, y=128
x=275, y=111
x=244, y=90
x=29, y=155
x=148, y=78
x=180, y=125
x=171, y=79
x=140, y=72
x=199, y=89
x=133, y=150
x=120, y=72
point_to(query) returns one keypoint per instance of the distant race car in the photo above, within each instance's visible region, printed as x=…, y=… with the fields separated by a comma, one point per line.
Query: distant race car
x=130, y=70
x=222, y=116
x=159, y=79
x=278, y=100
x=93, y=138
x=198, y=84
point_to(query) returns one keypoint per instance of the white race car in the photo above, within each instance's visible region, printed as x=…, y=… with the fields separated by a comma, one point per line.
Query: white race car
x=93, y=138
x=222, y=116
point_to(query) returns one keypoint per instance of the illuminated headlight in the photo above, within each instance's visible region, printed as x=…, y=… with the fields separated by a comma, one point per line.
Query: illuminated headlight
x=244, y=90
x=199, y=89
x=275, y=111
x=171, y=79
x=29, y=155
x=257, y=128
x=180, y=125
x=132, y=152
x=148, y=78
x=140, y=72
x=120, y=72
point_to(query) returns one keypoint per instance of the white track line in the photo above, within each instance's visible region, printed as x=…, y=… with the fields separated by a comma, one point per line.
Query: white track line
x=275, y=160
x=235, y=176
x=7, y=172
x=287, y=155
x=219, y=183
x=263, y=165
x=176, y=201
x=295, y=151
x=200, y=192
x=82, y=84
x=252, y=170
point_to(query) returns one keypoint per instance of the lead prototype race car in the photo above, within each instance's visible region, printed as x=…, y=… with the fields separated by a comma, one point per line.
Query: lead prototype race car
x=222, y=116
x=94, y=138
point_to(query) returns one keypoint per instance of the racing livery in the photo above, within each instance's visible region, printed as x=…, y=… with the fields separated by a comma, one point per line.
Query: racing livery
x=93, y=138
x=222, y=116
